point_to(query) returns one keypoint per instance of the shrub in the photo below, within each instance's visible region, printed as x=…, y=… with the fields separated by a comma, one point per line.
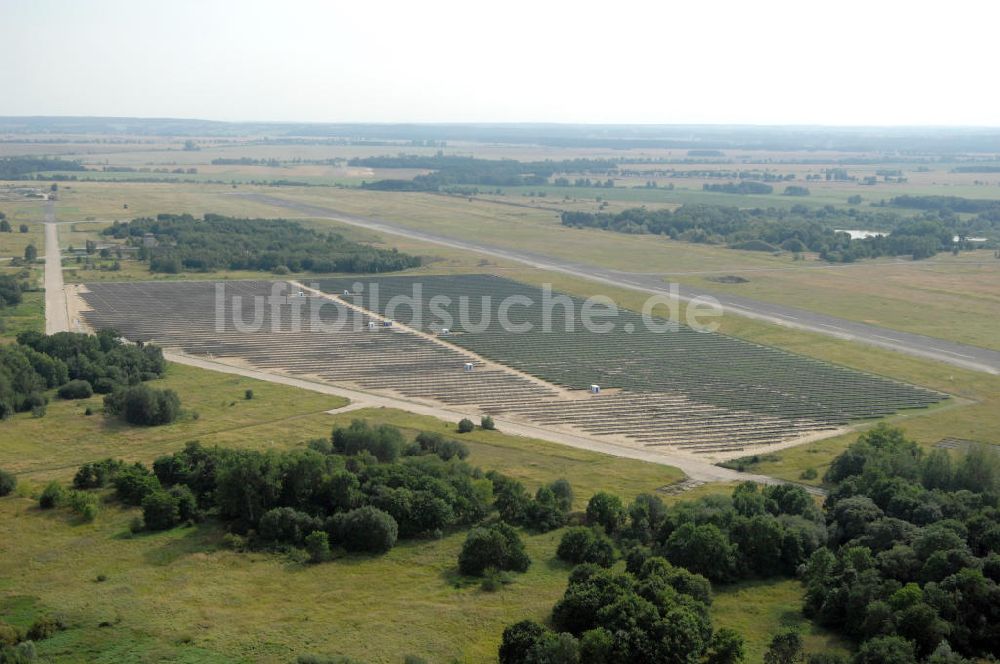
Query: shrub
x=465, y=425
x=248, y=395
x=76, y=389
x=809, y=474
x=497, y=546
x=366, y=529
x=51, y=496
x=318, y=545
x=487, y=423
x=43, y=628
x=7, y=483
x=143, y=405
x=435, y=443
x=83, y=503
x=160, y=510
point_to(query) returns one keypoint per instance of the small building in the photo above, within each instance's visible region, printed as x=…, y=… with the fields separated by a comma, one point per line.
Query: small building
x=444, y=331
x=387, y=323
x=346, y=292
x=595, y=389
x=371, y=325
x=469, y=366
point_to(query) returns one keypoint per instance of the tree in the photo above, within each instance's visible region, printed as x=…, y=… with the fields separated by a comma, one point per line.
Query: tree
x=497, y=545
x=702, y=549
x=606, y=510
x=884, y=649
x=465, y=425
x=785, y=648
x=486, y=422
x=30, y=253
x=5, y=226
x=586, y=545
x=7, y=483
x=518, y=640
x=384, y=441
x=23, y=228
x=160, y=510
x=726, y=647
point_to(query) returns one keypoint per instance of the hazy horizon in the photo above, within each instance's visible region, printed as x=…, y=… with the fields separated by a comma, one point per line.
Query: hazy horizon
x=783, y=64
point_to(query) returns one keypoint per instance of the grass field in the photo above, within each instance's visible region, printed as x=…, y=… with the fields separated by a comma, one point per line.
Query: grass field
x=178, y=595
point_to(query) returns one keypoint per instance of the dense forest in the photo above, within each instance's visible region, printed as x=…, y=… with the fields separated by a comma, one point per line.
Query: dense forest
x=903, y=559
x=78, y=365
x=25, y=168
x=797, y=229
x=456, y=170
x=184, y=243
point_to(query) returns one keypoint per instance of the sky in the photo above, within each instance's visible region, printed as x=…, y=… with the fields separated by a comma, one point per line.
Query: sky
x=838, y=62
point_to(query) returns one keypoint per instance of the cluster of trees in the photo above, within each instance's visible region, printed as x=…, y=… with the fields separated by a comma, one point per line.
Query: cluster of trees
x=77, y=364
x=25, y=168
x=913, y=564
x=741, y=187
x=361, y=489
x=954, y=211
x=547, y=510
x=648, y=614
x=775, y=229
x=449, y=170
x=184, y=243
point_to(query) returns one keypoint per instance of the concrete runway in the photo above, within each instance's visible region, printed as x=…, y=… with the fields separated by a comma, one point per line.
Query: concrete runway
x=947, y=352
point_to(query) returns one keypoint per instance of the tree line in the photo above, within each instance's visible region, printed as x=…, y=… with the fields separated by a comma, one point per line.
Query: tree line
x=449, y=170
x=797, y=229
x=185, y=243
x=25, y=168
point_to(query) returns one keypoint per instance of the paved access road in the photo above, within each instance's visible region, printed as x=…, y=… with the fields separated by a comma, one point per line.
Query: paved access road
x=948, y=352
x=56, y=316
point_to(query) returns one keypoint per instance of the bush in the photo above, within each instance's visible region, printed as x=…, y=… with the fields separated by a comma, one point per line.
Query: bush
x=487, y=423
x=435, y=443
x=83, y=503
x=318, y=545
x=7, y=483
x=51, y=496
x=248, y=395
x=809, y=474
x=586, y=545
x=496, y=546
x=366, y=529
x=465, y=425
x=43, y=628
x=76, y=389
x=143, y=405
x=160, y=510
